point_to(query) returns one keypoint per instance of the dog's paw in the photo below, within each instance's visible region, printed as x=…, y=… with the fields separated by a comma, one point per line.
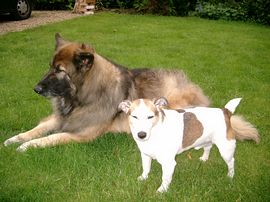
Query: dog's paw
x=8, y=142
x=142, y=178
x=164, y=186
x=202, y=158
x=230, y=174
x=11, y=140
x=162, y=189
x=23, y=147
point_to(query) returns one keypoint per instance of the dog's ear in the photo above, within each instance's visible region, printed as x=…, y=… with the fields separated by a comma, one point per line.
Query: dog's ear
x=161, y=102
x=59, y=41
x=124, y=106
x=84, y=58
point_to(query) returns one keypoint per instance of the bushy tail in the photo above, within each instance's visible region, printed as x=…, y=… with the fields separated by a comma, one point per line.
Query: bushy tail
x=244, y=130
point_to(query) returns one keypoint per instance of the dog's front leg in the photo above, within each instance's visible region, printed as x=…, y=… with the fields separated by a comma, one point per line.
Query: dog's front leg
x=64, y=138
x=49, y=124
x=51, y=140
x=146, y=164
x=167, y=172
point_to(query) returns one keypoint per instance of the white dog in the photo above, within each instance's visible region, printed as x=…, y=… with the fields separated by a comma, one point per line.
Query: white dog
x=162, y=133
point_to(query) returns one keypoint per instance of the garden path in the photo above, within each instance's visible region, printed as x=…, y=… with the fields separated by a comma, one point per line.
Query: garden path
x=37, y=18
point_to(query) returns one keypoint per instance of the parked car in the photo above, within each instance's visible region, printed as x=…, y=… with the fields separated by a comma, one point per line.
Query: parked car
x=18, y=9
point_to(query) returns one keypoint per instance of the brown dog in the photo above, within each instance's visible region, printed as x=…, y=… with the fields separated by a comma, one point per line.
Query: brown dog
x=86, y=89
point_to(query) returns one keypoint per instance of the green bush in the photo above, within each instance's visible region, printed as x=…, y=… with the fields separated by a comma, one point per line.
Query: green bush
x=184, y=7
x=167, y=7
x=245, y=10
x=155, y=7
x=257, y=10
x=220, y=11
x=115, y=3
x=53, y=4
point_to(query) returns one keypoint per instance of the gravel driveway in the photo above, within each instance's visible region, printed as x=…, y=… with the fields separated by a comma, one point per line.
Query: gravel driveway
x=37, y=18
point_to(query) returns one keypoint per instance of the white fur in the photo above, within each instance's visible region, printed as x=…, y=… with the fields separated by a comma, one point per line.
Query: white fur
x=232, y=104
x=164, y=137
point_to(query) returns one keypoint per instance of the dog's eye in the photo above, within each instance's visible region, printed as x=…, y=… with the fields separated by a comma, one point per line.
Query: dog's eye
x=58, y=69
x=135, y=117
x=150, y=117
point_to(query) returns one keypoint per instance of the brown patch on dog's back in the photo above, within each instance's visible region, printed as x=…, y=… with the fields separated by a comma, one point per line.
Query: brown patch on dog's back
x=227, y=116
x=193, y=129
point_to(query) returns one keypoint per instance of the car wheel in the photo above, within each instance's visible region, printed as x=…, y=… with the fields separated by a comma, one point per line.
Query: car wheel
x=23, y=9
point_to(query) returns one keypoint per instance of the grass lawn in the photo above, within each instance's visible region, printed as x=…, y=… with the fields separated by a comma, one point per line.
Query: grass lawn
x=227, y=59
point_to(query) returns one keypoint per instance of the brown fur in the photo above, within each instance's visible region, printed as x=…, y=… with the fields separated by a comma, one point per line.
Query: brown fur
x=193, y=129
x=227, y=116
x=98, y=86
x=171, y=84
x=157, y=109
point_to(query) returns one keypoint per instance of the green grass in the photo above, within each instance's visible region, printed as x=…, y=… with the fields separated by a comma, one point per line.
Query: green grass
x=227, y=59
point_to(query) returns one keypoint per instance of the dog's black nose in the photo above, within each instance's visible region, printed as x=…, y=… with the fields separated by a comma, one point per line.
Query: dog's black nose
x=38, y=89
x=142, y=134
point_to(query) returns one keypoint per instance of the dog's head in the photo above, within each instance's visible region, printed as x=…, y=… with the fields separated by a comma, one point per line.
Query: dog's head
x=70, y=63
x=143, y=115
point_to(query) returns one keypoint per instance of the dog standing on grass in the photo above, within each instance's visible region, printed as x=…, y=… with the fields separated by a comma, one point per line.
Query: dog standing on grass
x=162, y=133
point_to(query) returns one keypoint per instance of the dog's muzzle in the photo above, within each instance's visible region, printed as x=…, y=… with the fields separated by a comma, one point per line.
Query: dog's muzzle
x=141, y=135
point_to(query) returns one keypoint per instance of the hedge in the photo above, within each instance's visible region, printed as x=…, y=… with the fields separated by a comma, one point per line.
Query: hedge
x=244, y=10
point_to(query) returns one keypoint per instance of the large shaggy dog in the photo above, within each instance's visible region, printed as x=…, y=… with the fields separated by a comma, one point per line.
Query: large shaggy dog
x=86, y=89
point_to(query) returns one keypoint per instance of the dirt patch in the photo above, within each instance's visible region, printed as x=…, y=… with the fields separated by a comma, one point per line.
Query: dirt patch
x=37, y=18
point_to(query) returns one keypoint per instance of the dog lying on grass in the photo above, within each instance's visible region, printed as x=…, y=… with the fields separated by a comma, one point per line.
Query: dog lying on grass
x=85, y=89
x=162, y=133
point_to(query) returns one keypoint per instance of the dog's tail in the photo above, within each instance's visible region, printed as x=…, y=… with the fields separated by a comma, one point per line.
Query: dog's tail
x=242, y=129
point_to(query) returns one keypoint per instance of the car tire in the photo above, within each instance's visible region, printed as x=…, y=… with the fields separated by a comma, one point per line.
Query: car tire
x=23, y=10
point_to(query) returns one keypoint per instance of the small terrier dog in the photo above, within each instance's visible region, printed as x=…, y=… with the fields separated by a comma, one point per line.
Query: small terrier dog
x=162, y=133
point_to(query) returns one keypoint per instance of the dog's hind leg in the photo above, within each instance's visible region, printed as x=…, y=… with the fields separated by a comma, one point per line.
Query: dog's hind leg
x=49, y=124
x=226, y=150
x=206, y=152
